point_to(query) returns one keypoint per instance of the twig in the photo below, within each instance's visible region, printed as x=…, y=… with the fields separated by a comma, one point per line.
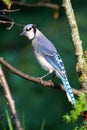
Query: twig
x=81, y=64
x=37, y=80
x=40, y=4
x=11, y=22
x=9, y=19
x=10, y=11
x=10, y=100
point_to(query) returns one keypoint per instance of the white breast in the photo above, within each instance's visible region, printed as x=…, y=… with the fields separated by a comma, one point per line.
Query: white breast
x=44, y=64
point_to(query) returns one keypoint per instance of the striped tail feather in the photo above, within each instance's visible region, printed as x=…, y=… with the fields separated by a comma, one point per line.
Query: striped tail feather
x=69, y=92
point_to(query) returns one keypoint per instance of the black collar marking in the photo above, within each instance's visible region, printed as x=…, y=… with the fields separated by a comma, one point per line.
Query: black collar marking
x=34, y=31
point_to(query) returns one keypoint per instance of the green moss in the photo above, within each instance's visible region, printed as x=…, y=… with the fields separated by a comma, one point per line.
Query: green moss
x=75, y=113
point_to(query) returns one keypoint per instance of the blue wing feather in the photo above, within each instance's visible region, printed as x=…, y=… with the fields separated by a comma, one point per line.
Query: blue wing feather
x=57, y=63
x=54, y=59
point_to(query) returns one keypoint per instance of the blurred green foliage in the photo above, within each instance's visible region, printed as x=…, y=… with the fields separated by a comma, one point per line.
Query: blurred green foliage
x=81, y=106
x=9, y=120
x=40, y=108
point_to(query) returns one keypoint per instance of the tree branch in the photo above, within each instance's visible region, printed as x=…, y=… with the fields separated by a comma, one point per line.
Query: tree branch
x=10, y=100
x=55, y=7
x=74, y=31
x=40, y=4
x=37, y=80
x=81, y=64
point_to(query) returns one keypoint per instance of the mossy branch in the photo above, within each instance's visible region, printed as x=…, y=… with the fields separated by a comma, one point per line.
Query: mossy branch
x=81, y=67
x=77, y=43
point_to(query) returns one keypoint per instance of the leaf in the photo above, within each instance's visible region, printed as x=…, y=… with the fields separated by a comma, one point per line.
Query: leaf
x=7, y=3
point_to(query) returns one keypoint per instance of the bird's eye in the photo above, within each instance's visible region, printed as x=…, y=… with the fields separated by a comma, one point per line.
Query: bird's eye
x=28, y=29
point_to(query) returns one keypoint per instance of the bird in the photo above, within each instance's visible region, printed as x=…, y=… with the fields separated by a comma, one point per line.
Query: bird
x=48, y=57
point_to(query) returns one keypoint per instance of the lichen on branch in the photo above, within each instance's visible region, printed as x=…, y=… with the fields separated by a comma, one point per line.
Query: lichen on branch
x=81, y=66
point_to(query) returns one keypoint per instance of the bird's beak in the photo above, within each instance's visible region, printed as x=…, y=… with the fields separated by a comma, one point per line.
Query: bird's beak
x=23, y=33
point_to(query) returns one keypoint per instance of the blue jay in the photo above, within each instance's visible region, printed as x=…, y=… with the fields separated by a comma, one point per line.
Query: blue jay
x=48, y=57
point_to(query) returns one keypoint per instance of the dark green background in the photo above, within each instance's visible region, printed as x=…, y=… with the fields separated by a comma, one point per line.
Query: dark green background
x=39, y=106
